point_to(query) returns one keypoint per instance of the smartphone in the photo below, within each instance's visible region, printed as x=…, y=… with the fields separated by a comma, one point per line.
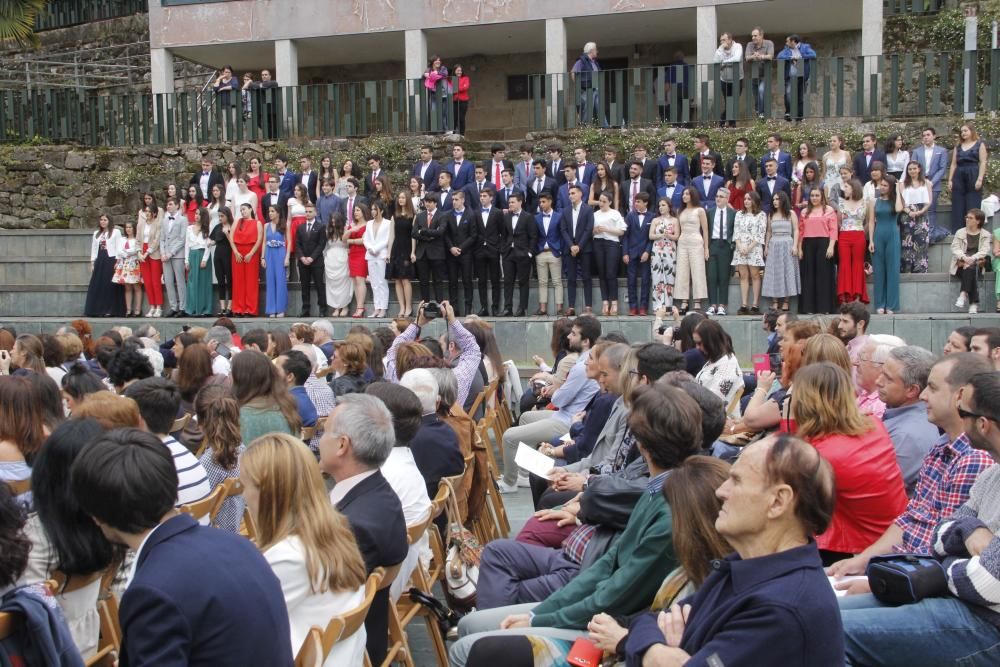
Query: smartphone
x=584, y=653
x=761, y=363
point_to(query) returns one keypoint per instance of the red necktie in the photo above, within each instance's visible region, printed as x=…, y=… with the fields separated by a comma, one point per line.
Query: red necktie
x=496, y=174
x=635, y=191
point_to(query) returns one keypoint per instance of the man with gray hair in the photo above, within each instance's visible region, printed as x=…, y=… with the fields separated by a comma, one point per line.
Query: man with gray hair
x=586, y=66
x=358, y=438
x=872, y=354
x=220, y=341
x=902, y=378
x=323, y=339
x=435, y=446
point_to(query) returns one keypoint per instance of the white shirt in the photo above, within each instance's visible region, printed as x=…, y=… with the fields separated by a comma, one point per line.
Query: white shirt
x=611, y=218
x=221, y=365
x=928, y=158
x=344, y=487
x=539, y=184
x=718, y=229
x=546, y=221
x=576, y=214
x=513, y=221
x=424, y=166
x=305, y=177
x=401, y=471
x=203, y=183
x=135, y=561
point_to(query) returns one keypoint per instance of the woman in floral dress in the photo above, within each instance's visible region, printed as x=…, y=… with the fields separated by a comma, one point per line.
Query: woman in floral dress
x=914, y=200
x=127, y=271
x=663, y=233
x=749, y=234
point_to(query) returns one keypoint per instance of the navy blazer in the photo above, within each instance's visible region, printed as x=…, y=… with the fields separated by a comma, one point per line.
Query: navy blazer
x=502, y=200
x=636, y=238
x=202, y=596
x=269, y=199
x=707, y=196
x=444, y=199
x=287, y=183
x=589, y=172
x=553, y=239
x=430, y=176
x=562, y=198
x=466, y=173
x=436, y=452
x=765, y=194
x=863, y=166
x=584, y=228
x=675, y=200
x=680, y=164
x=472, y=194
x=695, y=166
x=784, y=164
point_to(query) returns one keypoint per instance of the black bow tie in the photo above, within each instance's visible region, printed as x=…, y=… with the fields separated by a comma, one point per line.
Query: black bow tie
x=771, y=178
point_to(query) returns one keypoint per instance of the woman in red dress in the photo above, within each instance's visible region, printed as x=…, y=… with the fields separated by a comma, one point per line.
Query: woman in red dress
x=192, y=202
x=357, y=265
x=740, y=185
x=256, y=179
x=296, y=214
x=247, y=238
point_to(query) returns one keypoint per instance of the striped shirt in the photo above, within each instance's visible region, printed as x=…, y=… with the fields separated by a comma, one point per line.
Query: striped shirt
x=192, y=480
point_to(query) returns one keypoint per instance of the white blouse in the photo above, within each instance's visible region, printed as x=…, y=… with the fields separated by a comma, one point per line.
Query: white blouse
x=612, y=219
x=247, y=197
x=897, y=163
x=296, y=208
x=193, y=240
x=916, y=195
x=377, y=244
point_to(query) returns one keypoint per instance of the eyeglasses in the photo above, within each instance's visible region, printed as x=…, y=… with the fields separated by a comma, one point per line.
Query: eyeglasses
x=633, y=372
x=965, y=414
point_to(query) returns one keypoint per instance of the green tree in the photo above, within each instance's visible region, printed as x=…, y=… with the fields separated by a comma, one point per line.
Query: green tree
x=17, y=21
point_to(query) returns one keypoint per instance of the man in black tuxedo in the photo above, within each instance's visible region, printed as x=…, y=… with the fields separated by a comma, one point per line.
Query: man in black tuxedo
x=274, y=197
x=358, y=438
x=489, y=235
x=460, y=238
x=633, y=185
x=520, y=235
x=428, y=229
x=308, y=177
x=555, y=166
x=616, y=168
x=703, y=148
x=648, y=164
x=206, y=178
x=540, y=182
x=495, y=165
x=310, y=243
x=744, y=158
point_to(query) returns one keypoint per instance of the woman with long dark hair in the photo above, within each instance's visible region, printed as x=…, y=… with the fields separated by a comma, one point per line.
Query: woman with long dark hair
x=193, y=200
x=338, y=279
x=603, y=182
x=266, y=406
x=275, y=261
x=853, y=212
x=896, y=157
x=376, y=243
x=781, y=266
x=150, y=264
x=721, y=373
x=104, y=297
x=884, y=246
x=914, y=200
x=818, y=228
x=222, y=260
x=247, y=237
x=197, y=261
x=357, y=265
x=692, y=251
x=21, y=431
x=401, y=253
x=222, y=444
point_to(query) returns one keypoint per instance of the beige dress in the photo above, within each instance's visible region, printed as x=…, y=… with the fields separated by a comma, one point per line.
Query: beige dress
x=690, y=259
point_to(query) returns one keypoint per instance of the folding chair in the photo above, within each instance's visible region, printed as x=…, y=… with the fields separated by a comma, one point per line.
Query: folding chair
x=107, y=649
x=17, y=487
x=206, y=506
x=344, y=625
x=180, y=423
x=307, y=433
x=399, y=647
x=406, y=608
x=311, y=652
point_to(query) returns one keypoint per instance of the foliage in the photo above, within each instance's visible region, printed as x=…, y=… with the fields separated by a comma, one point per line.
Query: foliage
x=125, y=179
x=943, y=31
x=17, y=21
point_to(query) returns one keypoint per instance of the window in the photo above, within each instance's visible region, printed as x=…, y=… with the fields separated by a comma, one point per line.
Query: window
x=522, y=86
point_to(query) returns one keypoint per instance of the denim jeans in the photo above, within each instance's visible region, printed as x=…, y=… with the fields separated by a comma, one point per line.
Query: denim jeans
x=590, y=108
x=487, y=622
x=799, y=101
x=758, y=98
x=935, y=631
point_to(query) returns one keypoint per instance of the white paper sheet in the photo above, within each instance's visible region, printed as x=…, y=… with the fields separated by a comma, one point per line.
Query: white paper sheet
x=532, y=460
x=843, y=580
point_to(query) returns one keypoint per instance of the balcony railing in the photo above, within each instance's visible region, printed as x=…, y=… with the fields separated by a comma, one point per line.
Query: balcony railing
x=65, y=13
x=876, y=87
x=914, y=7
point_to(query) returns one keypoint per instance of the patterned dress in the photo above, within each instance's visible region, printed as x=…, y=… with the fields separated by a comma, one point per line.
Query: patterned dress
x=724, y=378
x=916, y=231
x=749, y=229
x=663, y=263
x=232, y=509
x=127, y=264
x=781, y=272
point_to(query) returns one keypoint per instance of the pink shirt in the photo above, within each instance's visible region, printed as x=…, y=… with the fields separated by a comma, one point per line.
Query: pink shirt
x=870, y=404
x=819, y=224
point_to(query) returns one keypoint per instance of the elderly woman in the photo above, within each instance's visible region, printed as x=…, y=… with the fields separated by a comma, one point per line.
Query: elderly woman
x=869, y=367
x=771, y=597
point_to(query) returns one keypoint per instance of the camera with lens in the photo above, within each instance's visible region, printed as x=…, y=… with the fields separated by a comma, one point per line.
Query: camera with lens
x=432, y=309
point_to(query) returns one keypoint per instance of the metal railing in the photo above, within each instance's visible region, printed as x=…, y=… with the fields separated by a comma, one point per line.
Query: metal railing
x=915, y=7
x=66, y=13
x=877, y=87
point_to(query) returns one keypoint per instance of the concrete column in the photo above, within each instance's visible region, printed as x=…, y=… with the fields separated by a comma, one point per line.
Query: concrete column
x=286, y=62
x=161, y=63
x=707, y=30
x=971, y=11
x=556, y=65
x=871, y=27
x=415, y=49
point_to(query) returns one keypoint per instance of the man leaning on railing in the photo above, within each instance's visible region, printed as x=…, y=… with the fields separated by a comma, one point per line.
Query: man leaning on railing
x=586, y=66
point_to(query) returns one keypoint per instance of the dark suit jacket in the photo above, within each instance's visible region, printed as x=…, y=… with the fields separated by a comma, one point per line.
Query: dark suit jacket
x=202, y=596
x=519, y=243
x=349, y=215
x=695, y=165
x=584, y=228
x=472, y=194
x=680, y=164
x=267, y=200
x=780, y=183
x=556, y=174
x=489, y=236
x=554, y=236
x=310, y=184
x=749, y=162
x=784, y=164
x=502, y=201
x=488, y=166
x=636, y=239
x=214, y=178
x=562, y=197
x=730, y=223
x=649, y=170
x=369, y=185
x=675, y=201
x=863, y=166
x=430, y=236
x=376, y=517
x=645, y=185
x=707, y=198
x=466, y=173
x=436, y=452
x=311, y=244
x=618, y=171
x=444, y=198
x=531, y=199
x=461, y=234
x=286, y=183
x=430, y=176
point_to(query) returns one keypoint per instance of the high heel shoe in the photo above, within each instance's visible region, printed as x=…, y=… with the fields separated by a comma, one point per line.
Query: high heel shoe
x=359, y=313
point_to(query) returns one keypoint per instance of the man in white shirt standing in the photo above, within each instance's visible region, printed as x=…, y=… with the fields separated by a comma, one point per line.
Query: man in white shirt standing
x=730, y=54
x=172, y=239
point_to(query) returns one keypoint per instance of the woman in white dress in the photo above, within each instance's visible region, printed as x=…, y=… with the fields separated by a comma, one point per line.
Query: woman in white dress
x=308, y=544
x=233, y=174
x=834, y=159
x=338, y=280
x=245, y=195
x=376, y=240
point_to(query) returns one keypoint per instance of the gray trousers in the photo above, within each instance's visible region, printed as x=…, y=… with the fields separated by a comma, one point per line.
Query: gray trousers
x=487, y=622
x=536, y=427
x=173, y=277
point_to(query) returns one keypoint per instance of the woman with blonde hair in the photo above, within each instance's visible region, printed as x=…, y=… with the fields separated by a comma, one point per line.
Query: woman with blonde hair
x=219, y=419
x=109, y=409
x=826, y=347
x=308, y=544
x=870, y=492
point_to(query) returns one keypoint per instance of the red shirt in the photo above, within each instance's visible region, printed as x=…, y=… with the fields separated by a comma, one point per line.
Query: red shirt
x=463, y=89
x=870, y=492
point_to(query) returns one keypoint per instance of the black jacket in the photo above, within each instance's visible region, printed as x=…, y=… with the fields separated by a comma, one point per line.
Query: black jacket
x=519, y=243
x=489, y=236
x=430, y=235
x=311, y=244
x=461, y=234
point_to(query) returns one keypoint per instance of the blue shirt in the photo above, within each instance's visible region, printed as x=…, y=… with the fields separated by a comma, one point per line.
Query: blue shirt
x=912, y=437
x=307, y=411
x=575, y=393
x=326, y=207
x=777, y=610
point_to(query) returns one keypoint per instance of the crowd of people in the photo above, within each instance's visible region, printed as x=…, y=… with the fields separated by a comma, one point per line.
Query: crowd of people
x=693, y=512
x=676, y=226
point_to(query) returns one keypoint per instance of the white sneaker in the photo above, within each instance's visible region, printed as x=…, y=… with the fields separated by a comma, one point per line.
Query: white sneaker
x=961, y=301
x=504, y=488
x=710, y=311
x=722, y=310
x=973, y=309
x=522, y=481
x=159, y=312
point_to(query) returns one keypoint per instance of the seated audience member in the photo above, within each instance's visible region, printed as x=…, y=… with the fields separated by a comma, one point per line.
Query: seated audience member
x=21, y=431
x=304, y=334
x=54, y=357
x=667, y=428
x=401, y=471
x=868, y=366
x=323, y=339
x=435, y=446
x=259, y=340
x=317, y=390
x=307, y=543
x=959, y=340
x=28, y=355
x=468, y=361
x=128, y=365
x=869, y=490
x=452, y=414
x=110, y=410
x=193, y=372
x=296, y=369
x=63, y=537
x=266, y=405
x=540, y=426
x=946, y=473
x=220, y=341
x=219, y=418
x=960, y=626
x=548, y=379
x=690, y=492
x=987, y=343
x=159, y=400
x=770, y=597
x=900, y=383
x=357, y=440
x=45, y=394
x=348, y=369
x=127, y=483
x=721, y=372
x=46, y=639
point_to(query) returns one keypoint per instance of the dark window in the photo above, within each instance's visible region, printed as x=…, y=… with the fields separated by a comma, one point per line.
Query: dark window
x=523, y=86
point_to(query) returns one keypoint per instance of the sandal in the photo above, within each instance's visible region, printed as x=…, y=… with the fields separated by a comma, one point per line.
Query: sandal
x=784, y=307
x=359, y=313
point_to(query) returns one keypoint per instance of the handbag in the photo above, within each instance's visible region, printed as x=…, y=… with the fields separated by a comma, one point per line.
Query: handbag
x=897, y=579
x=461, y=565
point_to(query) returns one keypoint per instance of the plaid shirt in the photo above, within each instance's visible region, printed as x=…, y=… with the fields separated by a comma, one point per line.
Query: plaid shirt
x=948, y=472
x=465, y=368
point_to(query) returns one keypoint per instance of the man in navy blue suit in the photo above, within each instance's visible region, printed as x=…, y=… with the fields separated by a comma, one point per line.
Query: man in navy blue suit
x=707, y=183
x=427, y=168
x=358, y=438
x=870, y=152
x=286, y=178
x=473, y=189
x=539, y=182
x=585, y=170
x=782, y=159
x=196, y=595
x=770, y=184
x=548, y=254
x=577, y=228
x=636, y=250
x=462, y=171
x=671, y=158
x=562, y=198
x=671, y=189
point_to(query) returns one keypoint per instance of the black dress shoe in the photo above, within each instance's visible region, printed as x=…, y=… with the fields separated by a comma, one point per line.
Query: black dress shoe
x=507, y=312
x=496, y=312
x=304, y=313
x=520, y=313
x=172, y=313
x=183, y=314
x=483, y=312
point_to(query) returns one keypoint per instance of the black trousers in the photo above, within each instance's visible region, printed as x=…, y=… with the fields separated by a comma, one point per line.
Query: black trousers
x=461, y=266
x=519, y=269
x=819, y=282
x=730, y=91
x=968, y=277
x=574, y=265
x=432, y=273
x=488, y=270
x=608, y=256
x=222, y=259
x=313, y=274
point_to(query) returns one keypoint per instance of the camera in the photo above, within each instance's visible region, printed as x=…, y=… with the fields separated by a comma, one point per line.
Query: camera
x=432, y=310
